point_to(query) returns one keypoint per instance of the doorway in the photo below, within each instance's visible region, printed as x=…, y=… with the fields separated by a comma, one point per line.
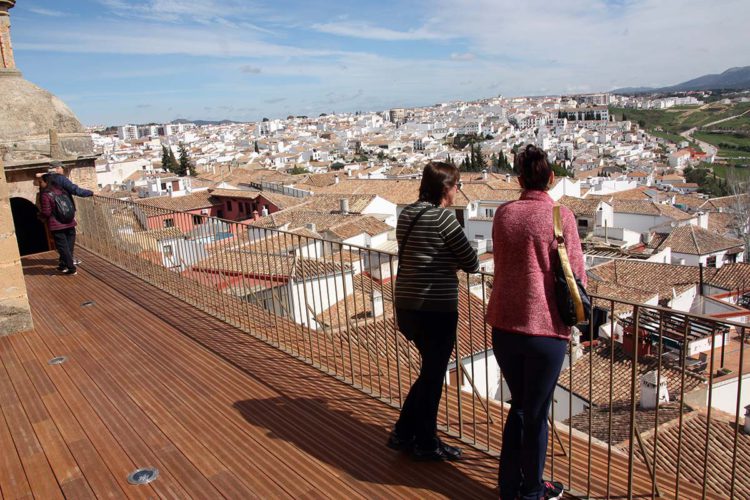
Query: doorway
x=30, y=231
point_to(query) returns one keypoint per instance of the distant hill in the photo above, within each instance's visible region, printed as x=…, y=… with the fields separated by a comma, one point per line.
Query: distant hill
x=733, y=78
x=206, y=122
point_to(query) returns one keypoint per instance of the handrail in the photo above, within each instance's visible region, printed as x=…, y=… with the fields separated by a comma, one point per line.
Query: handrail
x=331, y=304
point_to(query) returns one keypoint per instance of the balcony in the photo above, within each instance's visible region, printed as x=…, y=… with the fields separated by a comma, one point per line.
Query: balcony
x=253, y=362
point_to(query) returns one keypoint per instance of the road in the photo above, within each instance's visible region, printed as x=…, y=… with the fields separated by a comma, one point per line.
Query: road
x=707, y=148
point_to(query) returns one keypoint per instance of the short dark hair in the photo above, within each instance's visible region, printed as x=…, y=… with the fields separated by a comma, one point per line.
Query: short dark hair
x=437, y=176
x=533, y=168
x=46, y=178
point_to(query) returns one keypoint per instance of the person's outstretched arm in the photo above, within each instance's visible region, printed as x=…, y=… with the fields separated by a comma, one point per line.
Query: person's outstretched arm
x=72, y=188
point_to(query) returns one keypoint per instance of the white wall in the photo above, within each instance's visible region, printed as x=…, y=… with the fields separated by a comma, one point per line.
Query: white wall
x=319, y=293
x=724, y=396
x=381, y=206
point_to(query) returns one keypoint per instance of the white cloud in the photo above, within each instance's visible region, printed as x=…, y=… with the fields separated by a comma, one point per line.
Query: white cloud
x=466, y=56
x=370, y=32
x=47, y=12
x=155, y=39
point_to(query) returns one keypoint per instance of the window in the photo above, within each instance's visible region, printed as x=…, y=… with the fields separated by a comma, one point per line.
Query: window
x=168, y=222
x=220, y=214
x=168, y=252
x=197, y=220
x=163, y=186
x=229, y=205
x=489, y=212
x=478, y=236
x=583, y=223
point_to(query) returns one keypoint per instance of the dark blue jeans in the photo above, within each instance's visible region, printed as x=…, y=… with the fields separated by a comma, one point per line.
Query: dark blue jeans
x=530, y=365
x=434, y=340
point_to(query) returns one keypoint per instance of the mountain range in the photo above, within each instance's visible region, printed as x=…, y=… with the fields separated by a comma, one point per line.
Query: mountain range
x=731, y=79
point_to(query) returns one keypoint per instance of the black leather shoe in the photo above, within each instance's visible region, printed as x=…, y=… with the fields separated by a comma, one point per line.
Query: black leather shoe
x=398, y=443
x=441, y=453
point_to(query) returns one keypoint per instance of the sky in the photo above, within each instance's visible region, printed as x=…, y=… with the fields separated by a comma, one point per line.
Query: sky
x=140, y=61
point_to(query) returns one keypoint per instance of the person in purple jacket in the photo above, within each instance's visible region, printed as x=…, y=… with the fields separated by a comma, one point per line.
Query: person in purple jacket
x=529, y=338
x=63, y=233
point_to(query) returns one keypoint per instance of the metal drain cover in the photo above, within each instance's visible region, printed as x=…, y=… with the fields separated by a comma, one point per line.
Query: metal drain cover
x=143, y=476
x=58, y=360
x=88, y=303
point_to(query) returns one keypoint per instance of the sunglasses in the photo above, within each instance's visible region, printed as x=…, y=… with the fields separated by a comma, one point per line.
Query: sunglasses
x=459, y=184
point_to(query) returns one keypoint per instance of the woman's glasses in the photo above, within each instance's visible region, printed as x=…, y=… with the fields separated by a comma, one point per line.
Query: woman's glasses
x=459, y=184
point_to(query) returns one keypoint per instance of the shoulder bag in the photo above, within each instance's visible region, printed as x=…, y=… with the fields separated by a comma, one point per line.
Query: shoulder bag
x=573, y=303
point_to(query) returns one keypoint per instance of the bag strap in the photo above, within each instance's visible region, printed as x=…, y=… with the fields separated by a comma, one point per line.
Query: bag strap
x=565, y=263
x=401, y=248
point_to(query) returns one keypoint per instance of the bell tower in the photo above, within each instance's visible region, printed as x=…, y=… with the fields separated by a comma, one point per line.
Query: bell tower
x=7, y=62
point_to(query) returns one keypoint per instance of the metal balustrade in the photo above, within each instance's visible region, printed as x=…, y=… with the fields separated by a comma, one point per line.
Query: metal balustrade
x=331, y=305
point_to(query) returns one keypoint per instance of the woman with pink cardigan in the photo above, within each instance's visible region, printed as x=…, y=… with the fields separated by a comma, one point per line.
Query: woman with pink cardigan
x=528, y=337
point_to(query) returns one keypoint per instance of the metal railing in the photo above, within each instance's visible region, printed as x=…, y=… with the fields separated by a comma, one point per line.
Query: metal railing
x=331, y=305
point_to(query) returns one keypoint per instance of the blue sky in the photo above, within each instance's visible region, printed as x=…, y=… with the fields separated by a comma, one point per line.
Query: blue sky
x=135, y=61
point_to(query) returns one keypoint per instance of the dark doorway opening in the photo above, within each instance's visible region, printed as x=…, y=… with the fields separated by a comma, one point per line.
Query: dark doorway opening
x=30, y=231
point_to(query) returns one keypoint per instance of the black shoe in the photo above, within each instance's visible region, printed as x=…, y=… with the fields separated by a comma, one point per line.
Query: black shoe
x=70, y=272
x=553, y=490
x=440, y=453
x=61, y=267
x=398, y=443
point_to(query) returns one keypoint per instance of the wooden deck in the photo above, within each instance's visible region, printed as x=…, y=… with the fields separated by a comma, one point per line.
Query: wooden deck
x=152, y=381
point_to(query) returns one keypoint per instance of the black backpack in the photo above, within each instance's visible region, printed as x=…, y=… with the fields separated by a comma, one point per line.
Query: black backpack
x=63, y=208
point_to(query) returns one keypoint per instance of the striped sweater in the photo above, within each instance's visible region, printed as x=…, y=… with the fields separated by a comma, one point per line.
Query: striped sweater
x=436, y=248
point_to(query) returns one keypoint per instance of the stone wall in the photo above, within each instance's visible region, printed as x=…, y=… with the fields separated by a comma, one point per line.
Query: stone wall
x=15, y=314
x=21, y=181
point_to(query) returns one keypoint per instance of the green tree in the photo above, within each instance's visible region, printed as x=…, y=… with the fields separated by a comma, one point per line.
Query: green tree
x=255, y=147
x=166, y=162
x=173, y=165
x=480, y=163
x=185, y=166
x=298, y=170
x=561, y=171
x=337, y=166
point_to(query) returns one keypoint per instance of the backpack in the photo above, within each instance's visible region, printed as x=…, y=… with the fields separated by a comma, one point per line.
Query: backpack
x=62, y=208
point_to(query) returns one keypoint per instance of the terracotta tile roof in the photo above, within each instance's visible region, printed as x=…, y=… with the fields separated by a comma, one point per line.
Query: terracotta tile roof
x=322, y=180
x=694, y=240
x=581, y=207
x=358, y=225
x=597, y=362
x=281, y=200
x=692, y=201
x=724, y=223
x=725, y=203
x=721, y=451
x=648, y=276
x=398, y=191
x=250, y=194
x=235, y=262
x=734, y=276
x=193, y=201
x=332, y=202
x=621, y=420
x=649, y=208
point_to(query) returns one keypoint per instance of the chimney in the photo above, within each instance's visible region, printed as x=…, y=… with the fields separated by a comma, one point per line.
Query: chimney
x=484, y=174
x=747, y=419
x=344, y=205
x=646, y=237
x=310, y=226
x=377, y=303
x=507, y=177
x=336, y=179
x=264, y=212
x=650, y=396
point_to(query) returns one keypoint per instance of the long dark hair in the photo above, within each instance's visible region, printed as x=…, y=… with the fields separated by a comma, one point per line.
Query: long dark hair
x=532, y=166
x=437, y=176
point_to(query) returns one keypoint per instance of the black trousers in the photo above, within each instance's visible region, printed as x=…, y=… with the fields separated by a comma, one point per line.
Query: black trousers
x=434, y=340
x=65, y=241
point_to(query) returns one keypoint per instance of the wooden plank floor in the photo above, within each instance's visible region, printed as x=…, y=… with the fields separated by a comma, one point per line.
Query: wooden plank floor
x=144, y=385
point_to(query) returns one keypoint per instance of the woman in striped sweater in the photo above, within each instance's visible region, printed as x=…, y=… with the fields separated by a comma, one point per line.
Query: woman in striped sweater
x=427, y=296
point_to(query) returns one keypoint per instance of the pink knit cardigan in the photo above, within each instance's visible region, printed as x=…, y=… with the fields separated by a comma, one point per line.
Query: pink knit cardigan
x=523, y=294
